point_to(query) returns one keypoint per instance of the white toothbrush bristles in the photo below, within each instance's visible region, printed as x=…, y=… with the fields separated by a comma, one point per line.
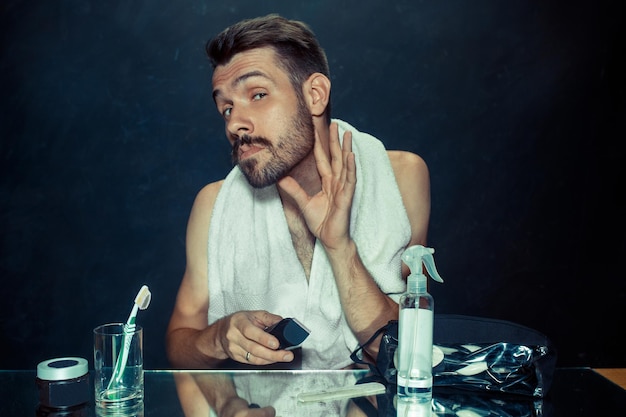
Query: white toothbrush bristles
x=143, y=298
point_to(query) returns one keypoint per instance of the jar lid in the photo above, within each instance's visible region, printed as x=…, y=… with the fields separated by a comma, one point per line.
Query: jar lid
x=59, y=369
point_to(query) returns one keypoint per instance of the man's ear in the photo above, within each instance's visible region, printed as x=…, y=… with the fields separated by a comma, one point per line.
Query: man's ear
x=316, y=91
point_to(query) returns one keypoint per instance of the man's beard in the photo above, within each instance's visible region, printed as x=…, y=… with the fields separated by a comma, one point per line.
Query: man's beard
x=285, y=154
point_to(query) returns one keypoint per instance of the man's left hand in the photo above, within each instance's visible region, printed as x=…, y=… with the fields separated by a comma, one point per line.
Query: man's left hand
x=327, y=213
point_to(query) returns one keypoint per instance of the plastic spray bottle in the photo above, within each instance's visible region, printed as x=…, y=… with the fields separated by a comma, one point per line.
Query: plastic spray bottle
x=415, y=328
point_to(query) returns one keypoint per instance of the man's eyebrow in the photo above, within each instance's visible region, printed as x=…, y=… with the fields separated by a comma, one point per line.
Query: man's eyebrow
x=240, y=79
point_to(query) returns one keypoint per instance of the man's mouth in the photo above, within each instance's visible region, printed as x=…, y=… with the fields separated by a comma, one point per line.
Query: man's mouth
x=246, y=151
x=247, y=146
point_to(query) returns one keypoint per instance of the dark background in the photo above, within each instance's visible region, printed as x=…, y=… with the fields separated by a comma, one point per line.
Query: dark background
x=108, y=131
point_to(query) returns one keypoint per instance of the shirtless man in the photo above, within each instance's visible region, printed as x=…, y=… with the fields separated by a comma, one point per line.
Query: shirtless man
x=272, y=86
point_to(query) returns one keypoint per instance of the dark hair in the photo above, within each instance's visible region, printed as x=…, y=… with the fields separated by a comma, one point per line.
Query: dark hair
x=297, y=49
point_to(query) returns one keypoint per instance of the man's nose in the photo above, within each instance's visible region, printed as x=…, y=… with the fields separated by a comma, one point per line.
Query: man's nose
x=239, y=123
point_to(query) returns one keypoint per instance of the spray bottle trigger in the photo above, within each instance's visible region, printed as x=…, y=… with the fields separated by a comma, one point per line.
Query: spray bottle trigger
x=429, y=262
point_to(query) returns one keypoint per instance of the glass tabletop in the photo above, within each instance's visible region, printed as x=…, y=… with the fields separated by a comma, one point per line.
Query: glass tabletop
x=574, y=392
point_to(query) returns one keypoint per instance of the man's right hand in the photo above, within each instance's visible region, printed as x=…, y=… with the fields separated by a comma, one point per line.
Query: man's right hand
x=243, y=338
x=238, y=407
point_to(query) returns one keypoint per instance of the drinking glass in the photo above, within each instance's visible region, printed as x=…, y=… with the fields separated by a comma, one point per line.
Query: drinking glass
x=118, y=364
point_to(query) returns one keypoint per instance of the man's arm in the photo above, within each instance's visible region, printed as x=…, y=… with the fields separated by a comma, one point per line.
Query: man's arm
x=413, y=181
x=327, y=215
x=191, y=343
x=189, y=320
x=357, y=287
x=198, y=392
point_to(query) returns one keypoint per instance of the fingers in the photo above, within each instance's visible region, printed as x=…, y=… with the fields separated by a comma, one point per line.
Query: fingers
x=347, y=164
x=349, y=161
x=266, y=356
x=293, y=189
x=321, y=153
x=343, y=166
x=247, y=341
x=335, y=165
x=329, y=158
x=268, y=411
x=237, y=406
x=336, y=157
x=264, y=318
x=341, y=156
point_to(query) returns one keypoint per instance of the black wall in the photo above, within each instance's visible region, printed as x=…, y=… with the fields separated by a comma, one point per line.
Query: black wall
x=108, y=131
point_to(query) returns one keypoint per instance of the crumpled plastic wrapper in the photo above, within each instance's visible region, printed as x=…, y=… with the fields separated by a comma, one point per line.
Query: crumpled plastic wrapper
x=495, y=367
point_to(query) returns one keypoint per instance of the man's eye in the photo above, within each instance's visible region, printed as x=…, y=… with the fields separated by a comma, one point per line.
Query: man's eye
x=258, y=96
x=226, y=112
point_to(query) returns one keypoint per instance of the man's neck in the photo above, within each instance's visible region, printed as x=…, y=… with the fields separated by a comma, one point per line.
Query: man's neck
x=306, y=175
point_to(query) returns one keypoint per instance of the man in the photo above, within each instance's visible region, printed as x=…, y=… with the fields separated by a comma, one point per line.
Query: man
x=304, y=226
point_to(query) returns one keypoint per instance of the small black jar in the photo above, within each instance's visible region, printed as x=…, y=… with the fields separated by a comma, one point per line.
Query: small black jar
x=63, y=384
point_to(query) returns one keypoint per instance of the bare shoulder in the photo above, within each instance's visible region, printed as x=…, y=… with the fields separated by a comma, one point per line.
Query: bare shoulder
x=407, y=163
x=413, y=180
x=208, y=194
x=193, y=294
x=198, y=228
x=411, y=175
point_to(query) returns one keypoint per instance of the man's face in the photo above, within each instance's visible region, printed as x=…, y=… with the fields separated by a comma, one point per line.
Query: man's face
x=269, y=127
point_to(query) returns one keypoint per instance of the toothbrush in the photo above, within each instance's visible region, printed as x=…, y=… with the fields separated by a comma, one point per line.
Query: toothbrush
x=142, y=300
x=352, y=391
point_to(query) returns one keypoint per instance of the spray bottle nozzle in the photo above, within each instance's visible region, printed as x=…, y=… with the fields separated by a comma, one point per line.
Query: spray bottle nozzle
x=414, y=257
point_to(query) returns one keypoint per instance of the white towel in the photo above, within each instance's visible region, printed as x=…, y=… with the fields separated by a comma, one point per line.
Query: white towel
x=253, y=264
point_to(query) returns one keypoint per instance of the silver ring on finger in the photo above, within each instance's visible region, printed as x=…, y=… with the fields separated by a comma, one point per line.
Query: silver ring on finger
x=247, y=356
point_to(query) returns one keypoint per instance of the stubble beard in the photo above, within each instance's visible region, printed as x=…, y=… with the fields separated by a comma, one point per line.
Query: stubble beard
x=285, y=154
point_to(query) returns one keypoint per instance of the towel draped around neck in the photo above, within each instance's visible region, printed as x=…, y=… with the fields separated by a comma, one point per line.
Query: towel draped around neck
x=253, y=264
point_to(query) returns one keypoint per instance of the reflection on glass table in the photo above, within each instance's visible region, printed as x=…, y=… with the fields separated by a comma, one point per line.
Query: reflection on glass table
x=575, y=392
